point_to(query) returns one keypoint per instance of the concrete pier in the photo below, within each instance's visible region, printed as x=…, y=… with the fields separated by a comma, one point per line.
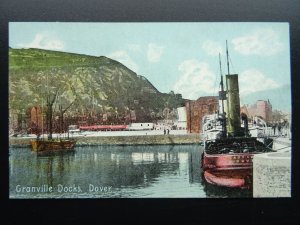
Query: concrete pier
x=272, y=171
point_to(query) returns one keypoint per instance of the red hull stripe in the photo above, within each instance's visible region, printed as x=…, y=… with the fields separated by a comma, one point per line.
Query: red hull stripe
x=224, y=181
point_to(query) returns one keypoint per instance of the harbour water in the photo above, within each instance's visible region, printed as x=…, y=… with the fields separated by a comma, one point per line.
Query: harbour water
x=152, y=171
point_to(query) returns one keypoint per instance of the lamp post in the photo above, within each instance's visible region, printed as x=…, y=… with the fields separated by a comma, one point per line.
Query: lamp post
x=190, y=112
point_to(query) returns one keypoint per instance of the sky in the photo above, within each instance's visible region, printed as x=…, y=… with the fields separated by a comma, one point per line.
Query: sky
x=182, y=57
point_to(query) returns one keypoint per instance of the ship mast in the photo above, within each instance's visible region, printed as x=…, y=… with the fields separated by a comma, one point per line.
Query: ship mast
x=222, y=97
x=222, y=86
x=233, y=125
x=42, y=119
x=227, y=57
x=49, y=104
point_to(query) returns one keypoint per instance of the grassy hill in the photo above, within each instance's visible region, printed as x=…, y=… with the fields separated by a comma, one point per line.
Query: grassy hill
x=83, y=83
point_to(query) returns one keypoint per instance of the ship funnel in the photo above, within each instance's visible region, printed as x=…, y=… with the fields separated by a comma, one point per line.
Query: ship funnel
x=233, y=105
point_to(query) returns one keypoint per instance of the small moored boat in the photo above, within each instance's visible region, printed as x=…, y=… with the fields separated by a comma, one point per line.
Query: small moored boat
x=50, y=144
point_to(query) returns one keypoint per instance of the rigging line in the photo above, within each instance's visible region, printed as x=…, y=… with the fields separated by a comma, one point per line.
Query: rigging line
x=215, y=84
x=221, y=72
x=225, y=60
x=233, y=69
x=282, y=148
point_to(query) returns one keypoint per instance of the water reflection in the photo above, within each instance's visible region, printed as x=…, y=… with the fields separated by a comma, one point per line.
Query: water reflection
x=131, y=171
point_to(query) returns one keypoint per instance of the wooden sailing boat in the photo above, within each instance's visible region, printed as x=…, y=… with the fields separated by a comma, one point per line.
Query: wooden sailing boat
x=51, y=144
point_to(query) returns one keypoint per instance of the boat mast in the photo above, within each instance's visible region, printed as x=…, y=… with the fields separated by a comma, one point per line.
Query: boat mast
x=227, y=57
x=61, y=121
x=42, y=119
x=222, y=97
x=222, y=86
x=49, y=104
x=233, y=102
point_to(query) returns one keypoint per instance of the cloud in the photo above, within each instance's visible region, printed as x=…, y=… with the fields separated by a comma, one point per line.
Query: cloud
x=154, y=52
x=196, y=79
x=134, y=47
x=263, y=42
x=44, y=41
x=252, y=80
x=124, y=58
x=212, y=47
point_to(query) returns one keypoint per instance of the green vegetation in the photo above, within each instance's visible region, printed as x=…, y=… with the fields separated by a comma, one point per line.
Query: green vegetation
x=83, y=85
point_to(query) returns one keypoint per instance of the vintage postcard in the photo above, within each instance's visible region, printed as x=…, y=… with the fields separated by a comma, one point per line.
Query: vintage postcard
x=149, y=110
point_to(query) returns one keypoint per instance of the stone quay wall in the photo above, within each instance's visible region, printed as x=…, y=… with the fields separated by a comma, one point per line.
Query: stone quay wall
x=272, y=171
x=272, y=175
x=123, y=140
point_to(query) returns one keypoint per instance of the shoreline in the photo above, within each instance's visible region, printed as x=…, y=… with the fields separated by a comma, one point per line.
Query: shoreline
x=121, y=140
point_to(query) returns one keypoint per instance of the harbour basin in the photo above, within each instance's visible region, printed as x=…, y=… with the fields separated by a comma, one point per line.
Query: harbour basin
x=149, y=171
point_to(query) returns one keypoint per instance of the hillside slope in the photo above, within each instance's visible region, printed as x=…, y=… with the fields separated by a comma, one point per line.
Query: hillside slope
x=87, y=83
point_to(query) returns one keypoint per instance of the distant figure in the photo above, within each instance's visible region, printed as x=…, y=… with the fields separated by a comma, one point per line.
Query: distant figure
x=164, y=131
x=254, y=123
x=279, y=129
x=168, y=131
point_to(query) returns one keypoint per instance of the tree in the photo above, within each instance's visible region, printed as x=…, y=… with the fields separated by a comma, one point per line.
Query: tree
x=277, y=116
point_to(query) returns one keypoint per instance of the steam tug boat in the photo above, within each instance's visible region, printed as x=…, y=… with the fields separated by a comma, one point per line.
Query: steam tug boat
x=229, y=149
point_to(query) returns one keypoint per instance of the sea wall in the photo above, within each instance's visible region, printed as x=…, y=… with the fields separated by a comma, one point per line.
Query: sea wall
x=272, y=175
x=123, y=140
